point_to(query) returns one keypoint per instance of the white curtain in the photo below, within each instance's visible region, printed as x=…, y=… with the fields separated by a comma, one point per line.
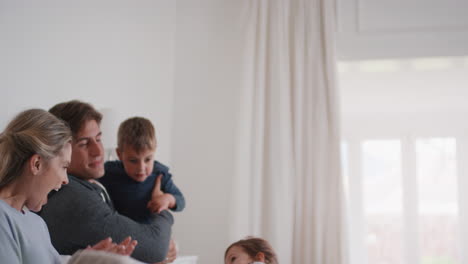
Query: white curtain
x=288, y=184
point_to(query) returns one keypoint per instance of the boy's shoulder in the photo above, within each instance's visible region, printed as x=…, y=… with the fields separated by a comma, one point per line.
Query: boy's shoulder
x=113, y=164
x=159, y=167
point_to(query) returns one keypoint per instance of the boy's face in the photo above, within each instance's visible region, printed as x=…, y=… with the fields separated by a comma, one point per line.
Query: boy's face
x=138, y=165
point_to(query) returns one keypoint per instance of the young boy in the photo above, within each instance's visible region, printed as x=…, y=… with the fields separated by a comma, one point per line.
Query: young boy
x=139, y=185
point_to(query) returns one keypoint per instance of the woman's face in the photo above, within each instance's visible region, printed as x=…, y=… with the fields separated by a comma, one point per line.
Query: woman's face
x=236, y=255
x=51, y=176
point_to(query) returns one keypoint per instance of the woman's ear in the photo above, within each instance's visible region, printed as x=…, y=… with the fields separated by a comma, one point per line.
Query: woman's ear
x=260, y=257
x=35, y=164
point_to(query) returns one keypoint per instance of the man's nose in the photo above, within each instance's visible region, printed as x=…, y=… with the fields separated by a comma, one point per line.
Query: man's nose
x=96, y=149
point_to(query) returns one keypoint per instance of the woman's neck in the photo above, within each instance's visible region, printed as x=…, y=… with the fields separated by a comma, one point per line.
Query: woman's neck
x=12, y=196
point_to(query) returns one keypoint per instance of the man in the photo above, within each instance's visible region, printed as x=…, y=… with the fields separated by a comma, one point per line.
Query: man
x=81, y=213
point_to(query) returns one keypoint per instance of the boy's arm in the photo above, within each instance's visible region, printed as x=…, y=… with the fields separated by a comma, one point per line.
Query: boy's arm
x=160, y=201
x=168, y=186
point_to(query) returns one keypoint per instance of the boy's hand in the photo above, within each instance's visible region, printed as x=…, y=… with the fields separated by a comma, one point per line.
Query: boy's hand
x=160, y=201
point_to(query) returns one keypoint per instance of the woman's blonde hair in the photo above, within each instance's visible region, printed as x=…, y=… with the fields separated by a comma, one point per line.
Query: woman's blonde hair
x=254, y=245
x=33, y=131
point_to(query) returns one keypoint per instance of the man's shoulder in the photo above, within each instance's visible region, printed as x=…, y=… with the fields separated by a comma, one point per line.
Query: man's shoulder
x=75, y=188
x=77, y=184
x=77, y=196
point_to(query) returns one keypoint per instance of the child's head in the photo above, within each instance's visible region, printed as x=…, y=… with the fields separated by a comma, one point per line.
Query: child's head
x=250, y=250
x=136, y=146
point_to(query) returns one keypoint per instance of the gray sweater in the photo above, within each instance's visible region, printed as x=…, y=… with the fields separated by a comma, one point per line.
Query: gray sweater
x=78, y=216
x=24, y=238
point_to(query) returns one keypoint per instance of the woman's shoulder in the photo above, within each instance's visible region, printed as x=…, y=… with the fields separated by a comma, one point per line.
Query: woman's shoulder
x=76, y=191
x=5, y=211
x=10, y=218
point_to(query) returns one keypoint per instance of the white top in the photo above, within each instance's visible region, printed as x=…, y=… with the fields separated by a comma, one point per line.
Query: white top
x=24, y=238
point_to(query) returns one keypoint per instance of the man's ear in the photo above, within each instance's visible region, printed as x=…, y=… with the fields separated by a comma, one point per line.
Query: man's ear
x=260, y=257
x=119, y=153
x=35, y=164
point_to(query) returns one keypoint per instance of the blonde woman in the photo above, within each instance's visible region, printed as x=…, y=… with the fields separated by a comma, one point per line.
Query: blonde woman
x=35, y=153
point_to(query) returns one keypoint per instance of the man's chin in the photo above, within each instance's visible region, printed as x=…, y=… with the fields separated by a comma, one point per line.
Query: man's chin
x=95, y=173
x=99, y=174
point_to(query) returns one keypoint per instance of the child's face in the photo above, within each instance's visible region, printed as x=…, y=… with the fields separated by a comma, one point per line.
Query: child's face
x=138, y=165
x=236, y=255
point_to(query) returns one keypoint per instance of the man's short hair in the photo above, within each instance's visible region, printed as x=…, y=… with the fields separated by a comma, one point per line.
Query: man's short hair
x=138, y=133
x=76, y=113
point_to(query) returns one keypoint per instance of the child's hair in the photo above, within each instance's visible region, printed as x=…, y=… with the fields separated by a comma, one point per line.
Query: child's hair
x=254, y=245
x=33, y=131
x=136, y=132
x=76, y=113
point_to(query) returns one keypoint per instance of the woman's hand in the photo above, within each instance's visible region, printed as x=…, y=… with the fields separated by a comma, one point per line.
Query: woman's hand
x=126, y=247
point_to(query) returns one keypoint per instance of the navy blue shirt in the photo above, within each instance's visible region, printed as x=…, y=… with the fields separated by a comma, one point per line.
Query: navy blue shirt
x=131, y=197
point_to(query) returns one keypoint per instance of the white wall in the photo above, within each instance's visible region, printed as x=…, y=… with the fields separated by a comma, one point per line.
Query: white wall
x=140, y=58
x=113, y=54
x=403, y=86
x=370, y=29
x=422, y=96
x=206, y=97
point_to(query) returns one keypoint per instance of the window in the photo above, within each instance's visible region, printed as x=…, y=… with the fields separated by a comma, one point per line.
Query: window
x=404, y=151
x=437, y=200
x=387, y=216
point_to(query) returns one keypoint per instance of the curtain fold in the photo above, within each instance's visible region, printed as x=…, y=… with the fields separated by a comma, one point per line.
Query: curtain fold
x=288, y=183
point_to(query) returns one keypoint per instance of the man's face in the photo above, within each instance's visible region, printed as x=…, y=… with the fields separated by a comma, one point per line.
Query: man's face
x=87, y=160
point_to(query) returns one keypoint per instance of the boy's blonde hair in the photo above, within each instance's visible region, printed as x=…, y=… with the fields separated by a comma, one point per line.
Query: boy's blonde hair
x=136, y=132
